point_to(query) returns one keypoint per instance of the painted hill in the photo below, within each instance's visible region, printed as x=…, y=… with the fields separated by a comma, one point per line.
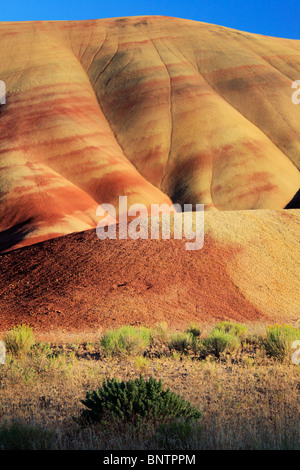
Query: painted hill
x=248, y=270
x=158, y=109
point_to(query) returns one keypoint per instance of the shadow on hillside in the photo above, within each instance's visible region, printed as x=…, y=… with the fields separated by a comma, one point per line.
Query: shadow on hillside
x=295, y=202
x=10, y=237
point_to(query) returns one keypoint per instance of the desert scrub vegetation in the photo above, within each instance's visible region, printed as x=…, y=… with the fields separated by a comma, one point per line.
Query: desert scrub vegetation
x=247, y=397
x=225, y=337
x=278, y=341
x=141, y=363
x=218, y=342
x=135, y=401
x=233, y=328
x=177, y=435
x=181, y=342
x=19, y=340
x=160, y=333
x=127, y=340
x=187, y=341
x=26, y=366
x=194, y=330
x=16, y=435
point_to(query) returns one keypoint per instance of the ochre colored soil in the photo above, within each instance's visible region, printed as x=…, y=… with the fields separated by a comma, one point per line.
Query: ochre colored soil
x=78, y=282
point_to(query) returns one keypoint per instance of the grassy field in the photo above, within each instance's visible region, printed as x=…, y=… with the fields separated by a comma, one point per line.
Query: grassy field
x=242, y=379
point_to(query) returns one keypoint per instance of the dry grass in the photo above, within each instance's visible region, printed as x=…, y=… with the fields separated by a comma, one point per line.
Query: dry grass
x=248, y=401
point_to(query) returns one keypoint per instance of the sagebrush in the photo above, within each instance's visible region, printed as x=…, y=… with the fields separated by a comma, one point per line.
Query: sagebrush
x=135, y=401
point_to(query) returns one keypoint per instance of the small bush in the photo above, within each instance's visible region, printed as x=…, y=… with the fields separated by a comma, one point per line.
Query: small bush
x=159, y=332
x=218, y=342
x=135, y=402
x=141, y=363
x=125, y=341
x=19, y=340
x=178, y=435
x=236, y=329
x=278, y=341
x=182, y=342
x=194, y=330
x=20, y=436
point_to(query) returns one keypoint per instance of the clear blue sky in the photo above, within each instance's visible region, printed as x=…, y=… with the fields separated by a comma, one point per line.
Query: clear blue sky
x=274, y=18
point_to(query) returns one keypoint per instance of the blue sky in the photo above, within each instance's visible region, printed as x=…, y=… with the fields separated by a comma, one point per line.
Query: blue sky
x=273, y=18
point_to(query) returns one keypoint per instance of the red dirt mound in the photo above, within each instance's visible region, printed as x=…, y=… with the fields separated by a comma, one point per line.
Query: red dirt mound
x=79, y=282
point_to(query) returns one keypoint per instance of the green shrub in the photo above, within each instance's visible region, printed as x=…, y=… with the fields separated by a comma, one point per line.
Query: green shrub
x=236, y=329
x=182, y=342
x=135, y=402
x=218, y=342
x=194, y=330
x=125, y=341
x=19, y=340
x=278, y=341
x=20, y=436
x=141, y=363
x=177, y=435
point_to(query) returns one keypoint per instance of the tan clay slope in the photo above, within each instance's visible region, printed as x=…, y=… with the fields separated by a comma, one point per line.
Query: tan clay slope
x=158, y=109
x=247, y=270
